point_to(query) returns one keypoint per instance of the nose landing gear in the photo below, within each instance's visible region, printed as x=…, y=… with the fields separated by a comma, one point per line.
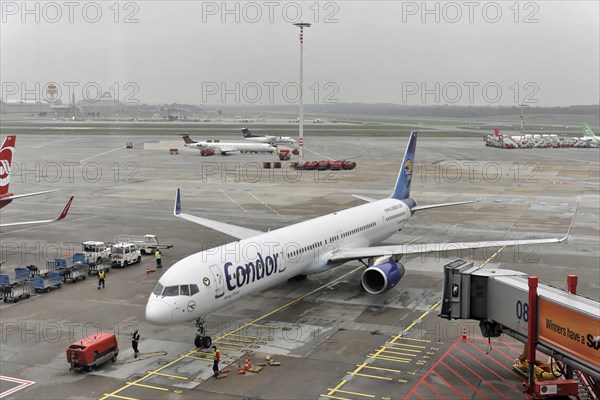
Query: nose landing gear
x=201, y=340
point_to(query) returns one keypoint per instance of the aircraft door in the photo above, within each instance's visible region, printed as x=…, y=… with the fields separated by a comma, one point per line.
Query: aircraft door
x=218, y=279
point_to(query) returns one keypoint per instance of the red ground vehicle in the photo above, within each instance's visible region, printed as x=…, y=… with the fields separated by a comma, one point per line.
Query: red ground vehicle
x=322, y=165
x=284, y=155
x=348, y=164
x=207, y=152
x=310, y=165
x=335, y=165
x=92, y=351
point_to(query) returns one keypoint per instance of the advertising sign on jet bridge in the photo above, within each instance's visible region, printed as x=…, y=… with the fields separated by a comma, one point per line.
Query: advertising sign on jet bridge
x=573, y=332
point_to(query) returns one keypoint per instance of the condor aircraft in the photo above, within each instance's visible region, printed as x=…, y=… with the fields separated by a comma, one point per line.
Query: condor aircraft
x=226, y=148
x=6, y=154
x=209, y=280
x=272, y=140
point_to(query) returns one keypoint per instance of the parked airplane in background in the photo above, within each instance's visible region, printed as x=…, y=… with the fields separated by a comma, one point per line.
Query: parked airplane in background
x=272, y=140
x=6, y=154
x=225, y=148
x=588, y=135
x=207, y=281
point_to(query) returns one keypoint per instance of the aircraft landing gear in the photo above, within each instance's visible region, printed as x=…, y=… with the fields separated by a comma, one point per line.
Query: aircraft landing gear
x=201, y=340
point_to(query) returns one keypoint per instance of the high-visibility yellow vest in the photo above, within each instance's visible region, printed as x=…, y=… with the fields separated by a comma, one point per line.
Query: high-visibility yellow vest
x=101, y=274
x=157, y=255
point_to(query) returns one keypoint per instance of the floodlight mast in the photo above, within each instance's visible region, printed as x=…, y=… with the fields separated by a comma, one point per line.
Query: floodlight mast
x=301, y=25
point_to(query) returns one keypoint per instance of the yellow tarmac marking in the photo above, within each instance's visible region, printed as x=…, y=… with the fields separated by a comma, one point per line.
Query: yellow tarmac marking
x=265, y=326
x=239, y=340
x=183, y=378
x=400, y=353
x=417, y=340
x=120, y=397
x=232, y=344
x=383, y=378
x=491, y=257
x=334, y=397
x=178, y=359
x=198, y=358
x=356, y=393
x=382, y=369
x=410, y=345
x=149, y=386
x=391, y=358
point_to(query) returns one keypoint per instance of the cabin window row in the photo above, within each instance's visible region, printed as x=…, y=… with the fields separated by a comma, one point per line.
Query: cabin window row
x=303, y=250
x=359, y=229
x=391, y=217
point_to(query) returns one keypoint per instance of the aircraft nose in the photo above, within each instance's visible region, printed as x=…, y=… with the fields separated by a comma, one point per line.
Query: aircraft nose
x=158, y=312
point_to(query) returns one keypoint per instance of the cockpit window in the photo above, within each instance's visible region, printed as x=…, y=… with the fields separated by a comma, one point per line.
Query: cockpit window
x=184, y=290
x=171, y=291
x=193, y=289
x=158, y=289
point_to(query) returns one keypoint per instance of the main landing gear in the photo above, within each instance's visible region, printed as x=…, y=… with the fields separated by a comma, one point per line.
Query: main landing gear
x=201, y=340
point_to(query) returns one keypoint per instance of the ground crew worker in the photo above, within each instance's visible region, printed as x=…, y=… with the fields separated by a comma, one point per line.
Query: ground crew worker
x=157, y=255
x=101, y=277
x=135, y=338
x=216, y=359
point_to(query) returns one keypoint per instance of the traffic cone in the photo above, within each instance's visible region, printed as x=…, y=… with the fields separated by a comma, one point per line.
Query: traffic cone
x=148, y=270
x=247, y=363
x=464, y=336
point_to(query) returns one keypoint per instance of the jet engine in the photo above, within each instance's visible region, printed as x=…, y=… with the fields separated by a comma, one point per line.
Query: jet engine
x=381, y=277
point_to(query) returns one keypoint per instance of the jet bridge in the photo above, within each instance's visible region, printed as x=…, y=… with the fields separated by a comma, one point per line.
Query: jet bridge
x=565, y=325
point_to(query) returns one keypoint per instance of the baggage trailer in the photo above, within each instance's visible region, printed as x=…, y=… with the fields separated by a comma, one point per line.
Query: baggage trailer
x=44, y=283
x=95, y=268
x=21, y=274
x=92, y=351
x=17, y=290
x=74, y=272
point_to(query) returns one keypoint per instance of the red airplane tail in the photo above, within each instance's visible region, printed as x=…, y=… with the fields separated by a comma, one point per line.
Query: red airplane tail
x=6, y=155
x=496, y=133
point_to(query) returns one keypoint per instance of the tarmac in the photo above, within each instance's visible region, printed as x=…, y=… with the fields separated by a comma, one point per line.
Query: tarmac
x=333, y=341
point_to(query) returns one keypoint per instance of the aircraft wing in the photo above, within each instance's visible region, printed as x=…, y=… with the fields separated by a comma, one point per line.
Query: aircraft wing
x=18, y=196
x=417, y=248
x=62, y=215
x=364, y=198
x=238, y=232
x=225, y=149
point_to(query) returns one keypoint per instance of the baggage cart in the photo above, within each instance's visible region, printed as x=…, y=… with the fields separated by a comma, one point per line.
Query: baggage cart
x=21, y=274
x=16, y=291
x=74, y=272
x=44, y=283
x=95, y=268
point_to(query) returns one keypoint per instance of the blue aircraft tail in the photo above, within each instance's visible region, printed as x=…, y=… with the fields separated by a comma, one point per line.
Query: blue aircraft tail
x=247, y=134
x=402, y=189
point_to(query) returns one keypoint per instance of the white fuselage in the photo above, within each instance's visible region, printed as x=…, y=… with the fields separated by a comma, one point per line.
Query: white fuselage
x=214, y=278
x=227, y=147
x=272, y=140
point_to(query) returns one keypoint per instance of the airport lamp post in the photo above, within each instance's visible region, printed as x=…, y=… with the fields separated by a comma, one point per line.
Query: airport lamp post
x=301, y=25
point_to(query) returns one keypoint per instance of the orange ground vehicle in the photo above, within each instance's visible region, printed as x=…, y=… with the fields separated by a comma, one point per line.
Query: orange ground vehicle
x=88, y=353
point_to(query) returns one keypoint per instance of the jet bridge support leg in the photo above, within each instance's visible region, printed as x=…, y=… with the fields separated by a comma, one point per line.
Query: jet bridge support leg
x=532, y=330
x=572, y=288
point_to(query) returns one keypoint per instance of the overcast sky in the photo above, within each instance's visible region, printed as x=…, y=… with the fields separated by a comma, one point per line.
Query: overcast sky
x=480, y=53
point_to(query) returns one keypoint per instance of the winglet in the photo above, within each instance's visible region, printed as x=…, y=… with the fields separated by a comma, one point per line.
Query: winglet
x=402, y=189
x=64, y=212
x=177, y=208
